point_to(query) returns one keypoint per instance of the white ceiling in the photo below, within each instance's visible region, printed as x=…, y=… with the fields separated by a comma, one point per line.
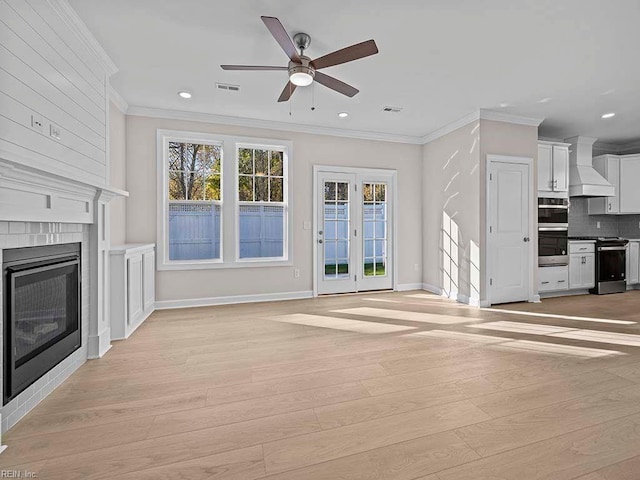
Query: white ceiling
x=439, y=60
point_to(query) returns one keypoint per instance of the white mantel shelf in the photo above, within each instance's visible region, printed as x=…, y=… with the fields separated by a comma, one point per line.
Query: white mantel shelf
x=32, y=195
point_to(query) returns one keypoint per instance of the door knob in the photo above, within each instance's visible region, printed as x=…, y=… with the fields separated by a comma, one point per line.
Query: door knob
x=319, y=240
x=526, y=239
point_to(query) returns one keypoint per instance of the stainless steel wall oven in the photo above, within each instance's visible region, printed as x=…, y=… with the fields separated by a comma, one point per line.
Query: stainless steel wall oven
x=553, y=231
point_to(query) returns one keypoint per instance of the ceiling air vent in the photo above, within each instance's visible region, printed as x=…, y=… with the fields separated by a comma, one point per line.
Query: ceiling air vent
x=228, y=87
x=392, y=109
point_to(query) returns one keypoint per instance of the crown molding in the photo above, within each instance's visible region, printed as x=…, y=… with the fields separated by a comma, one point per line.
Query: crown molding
x=269, y=125
x=117, y=99
x=509, y=118
x=450, y=127
x=617, y=149
x=71, y=18
x=481, y=114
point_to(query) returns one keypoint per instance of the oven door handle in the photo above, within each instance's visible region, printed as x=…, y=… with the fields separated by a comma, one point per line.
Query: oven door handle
x=611, y=249
x=554, y=229
x=565, y=207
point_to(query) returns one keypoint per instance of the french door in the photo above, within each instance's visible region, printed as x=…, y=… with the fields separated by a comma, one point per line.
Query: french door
x=354, y=231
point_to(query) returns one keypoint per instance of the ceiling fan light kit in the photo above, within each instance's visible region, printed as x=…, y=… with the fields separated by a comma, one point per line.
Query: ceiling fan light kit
x=302, y=70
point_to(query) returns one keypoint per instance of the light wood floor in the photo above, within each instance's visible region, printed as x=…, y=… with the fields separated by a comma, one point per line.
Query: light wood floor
x=393, y=386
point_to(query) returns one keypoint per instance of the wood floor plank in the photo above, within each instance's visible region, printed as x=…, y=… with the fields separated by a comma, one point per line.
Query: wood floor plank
x=561, y=458
x=245, y=391
x=245, y=464
x=339, y=442
x=401, y=461
x=451, y=368
x=39, y=422
x=51, y=445
x=352, y=360
x=194, y=419
x=157, y=452
x=506, y=433
x=355, y=411
x=625, y=470
x=521, y=399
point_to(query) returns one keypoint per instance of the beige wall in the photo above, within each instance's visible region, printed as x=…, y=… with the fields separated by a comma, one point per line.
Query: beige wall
x=499, y=138
x=117, y=173
x=451, y=187
x=308, y=150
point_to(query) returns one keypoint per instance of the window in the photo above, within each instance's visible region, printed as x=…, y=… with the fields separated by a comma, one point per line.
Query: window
x=261, y=203
x=222, y=201
x=195, y=200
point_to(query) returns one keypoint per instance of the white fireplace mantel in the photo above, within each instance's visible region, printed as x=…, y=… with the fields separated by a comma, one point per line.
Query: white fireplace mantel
x=32, y=195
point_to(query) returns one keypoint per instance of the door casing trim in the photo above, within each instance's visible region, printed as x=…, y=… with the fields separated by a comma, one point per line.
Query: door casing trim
x=394, y=198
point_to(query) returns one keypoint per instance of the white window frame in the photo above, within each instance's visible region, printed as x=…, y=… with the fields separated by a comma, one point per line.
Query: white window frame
x=284, y=203
x=230, y=225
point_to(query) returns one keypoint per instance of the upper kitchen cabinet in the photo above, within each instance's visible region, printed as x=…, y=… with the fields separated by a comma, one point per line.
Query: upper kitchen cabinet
x=553, y=169
x=623, y=172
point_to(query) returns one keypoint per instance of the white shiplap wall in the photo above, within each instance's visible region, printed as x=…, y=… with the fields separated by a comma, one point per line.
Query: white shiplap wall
x=49, y=73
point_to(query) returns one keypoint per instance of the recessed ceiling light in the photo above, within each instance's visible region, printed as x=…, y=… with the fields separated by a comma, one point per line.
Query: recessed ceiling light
x=343, y=114
x=184, y=94
x=609, y=115
x=544, y=100
x=504, y=105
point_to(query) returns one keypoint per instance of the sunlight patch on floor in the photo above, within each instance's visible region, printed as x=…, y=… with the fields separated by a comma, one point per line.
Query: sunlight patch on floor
x=406, y=316
x=516, y=327
x=336, y=323
x=560, y=349
x=562, y=317
x=469, y=337
x=601, y=337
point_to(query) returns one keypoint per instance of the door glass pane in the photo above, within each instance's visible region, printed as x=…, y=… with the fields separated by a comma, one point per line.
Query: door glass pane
x=374, y=198
x=336, y=223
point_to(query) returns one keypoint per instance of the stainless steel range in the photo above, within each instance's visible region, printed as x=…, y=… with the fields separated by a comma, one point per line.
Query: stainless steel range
x=611, y=264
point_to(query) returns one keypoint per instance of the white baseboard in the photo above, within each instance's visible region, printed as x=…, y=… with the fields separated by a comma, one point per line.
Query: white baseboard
x=211, y=301
x=405, y=287
x=99, y=344
x=432, y=288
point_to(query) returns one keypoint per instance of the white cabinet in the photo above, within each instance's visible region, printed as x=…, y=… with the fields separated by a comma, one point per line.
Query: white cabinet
x=633, y=263
x=132, y=287
x=582, y=265
x=623, y=172
x=553, y=167
x=553, y=279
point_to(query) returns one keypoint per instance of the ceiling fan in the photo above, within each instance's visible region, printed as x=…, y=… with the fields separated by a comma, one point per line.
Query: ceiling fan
x=302, y=70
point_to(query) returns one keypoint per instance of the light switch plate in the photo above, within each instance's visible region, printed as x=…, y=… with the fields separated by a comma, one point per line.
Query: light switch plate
x=54, y=131
x=306, y=225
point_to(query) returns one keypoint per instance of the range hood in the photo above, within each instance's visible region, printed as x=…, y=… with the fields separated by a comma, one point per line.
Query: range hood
x=584, y=181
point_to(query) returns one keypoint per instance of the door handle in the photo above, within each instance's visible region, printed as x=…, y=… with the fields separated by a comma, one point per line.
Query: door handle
x=526, y=239
x=319, y=240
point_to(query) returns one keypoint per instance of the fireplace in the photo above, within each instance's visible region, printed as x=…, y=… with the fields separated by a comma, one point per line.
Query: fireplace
x=41, y=312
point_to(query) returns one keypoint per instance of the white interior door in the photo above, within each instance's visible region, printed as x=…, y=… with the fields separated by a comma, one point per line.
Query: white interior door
x=354, y=231
x=509, y=232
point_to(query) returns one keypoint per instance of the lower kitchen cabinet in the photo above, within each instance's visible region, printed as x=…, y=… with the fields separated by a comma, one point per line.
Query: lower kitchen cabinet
x=132, y=287
x=553, y=279
x=582, y=270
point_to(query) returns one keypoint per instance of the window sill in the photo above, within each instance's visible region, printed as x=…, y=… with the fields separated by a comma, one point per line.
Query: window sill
x=223, y=266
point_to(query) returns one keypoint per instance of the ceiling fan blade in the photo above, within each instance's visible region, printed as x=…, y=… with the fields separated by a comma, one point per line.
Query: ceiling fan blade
x=335, y=84
x=347, y=54
x=288, y=90
x=251, y=67
x=282, y=37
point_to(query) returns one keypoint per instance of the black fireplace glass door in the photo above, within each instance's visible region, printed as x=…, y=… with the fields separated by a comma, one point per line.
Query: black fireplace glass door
x=44, y=307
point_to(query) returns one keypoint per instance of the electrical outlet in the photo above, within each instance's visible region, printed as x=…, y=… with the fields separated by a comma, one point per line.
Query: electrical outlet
x=54, y=131
x=416, y=267
x=597, y=224
x=306, y=225
x=36, y=123
x=296, y=273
